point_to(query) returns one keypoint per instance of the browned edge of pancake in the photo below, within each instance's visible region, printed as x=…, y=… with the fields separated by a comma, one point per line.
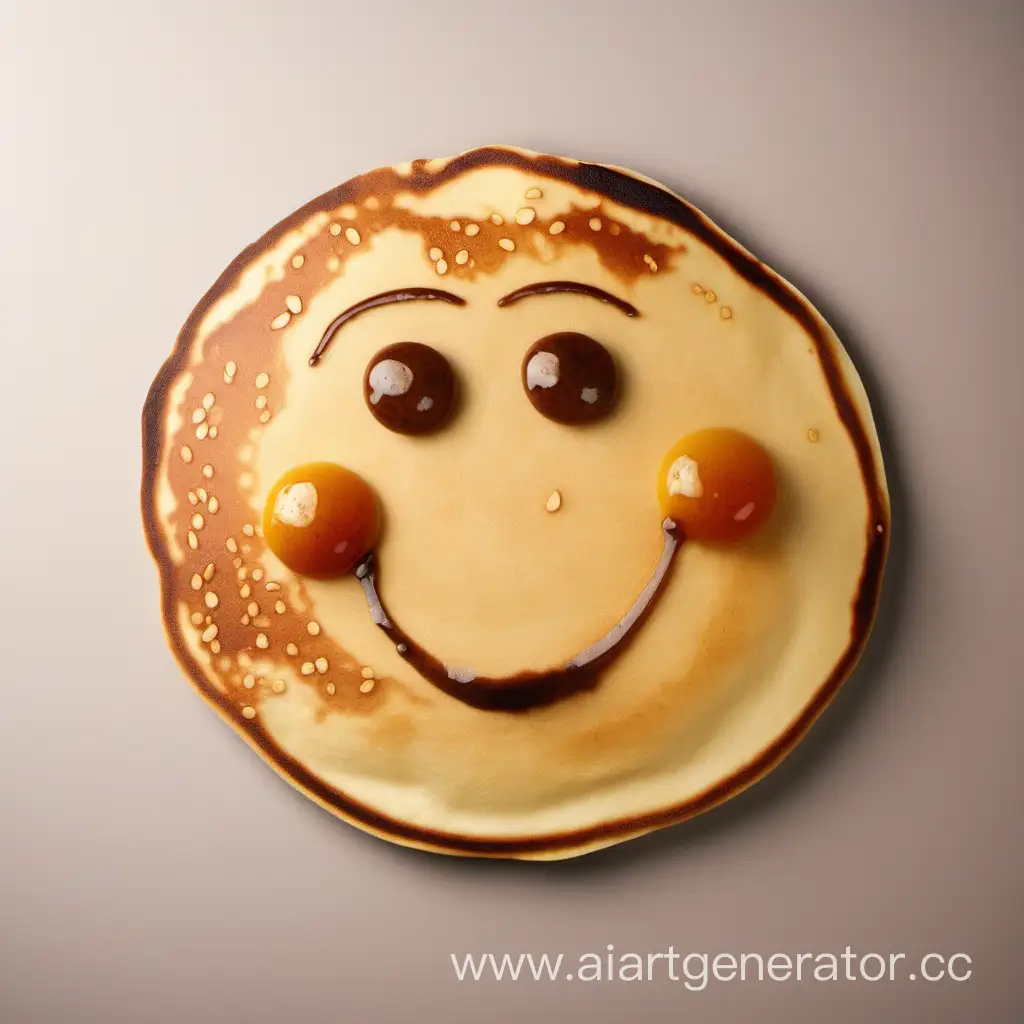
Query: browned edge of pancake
x=639, y=195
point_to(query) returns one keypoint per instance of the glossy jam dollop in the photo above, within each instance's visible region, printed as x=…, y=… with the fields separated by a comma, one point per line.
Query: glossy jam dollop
x=320, y=519
x=718, y=485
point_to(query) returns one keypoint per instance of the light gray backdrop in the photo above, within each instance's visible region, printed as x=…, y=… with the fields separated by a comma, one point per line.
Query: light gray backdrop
x=151, y=869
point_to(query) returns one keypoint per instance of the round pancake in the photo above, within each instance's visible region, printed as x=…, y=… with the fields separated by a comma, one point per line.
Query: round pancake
x=512, y=542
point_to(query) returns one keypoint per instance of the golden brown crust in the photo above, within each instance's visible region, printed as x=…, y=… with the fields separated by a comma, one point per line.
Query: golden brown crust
x=630, y=255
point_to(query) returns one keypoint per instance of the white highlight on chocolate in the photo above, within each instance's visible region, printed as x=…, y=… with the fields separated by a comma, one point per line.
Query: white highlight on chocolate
x=460, y=674
x=589, y=395
x=684, y=478
x=542, y=371
x=624, y=625
x=295, y=504
x=389, y=377
x=744, y=513
x=425, y=404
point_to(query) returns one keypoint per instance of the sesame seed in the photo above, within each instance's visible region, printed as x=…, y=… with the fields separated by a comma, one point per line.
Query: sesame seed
x=281, y=320
x=308, y=668
x=293, y=303
x=199, y=415
x=273, y=586
x=201, y=431
x=554, y=502
x=366, y=686
x=231, y=544
x=193, y=498
x=209, y=571
x=291, y=649
x=313, y=628
x=265, y=416
x=507, y=244
x=253, y=608
x=726, y=313
x=654, y=266
x=262, y=642
x=244, y=620
x=201, y=494
x=331, y=689
x=215, y=646
x=696, y=289
x=257, y=574
x=197, y=618
x=248, y=712
x=462, y=256
x=208, y=471
x=198, y=521
x=710, y=296
x=441, y=267
x=249, y=681
x=280, y=607
x=208, y=619
x=333, y=263
x=261, y=401
x=262, y=380
x=472, y=229
x=210, y=633
x=455, y=226
x=197, y=581
x=213, y=432
x=208, y=400
x=368, y=672
x=211, y=599
x=230, y=368
x=193, y=540
x=321, y=665
x=534, y=193
x=435, y=254
x=595, y=223
x=557, y=227
x=212, y=506
x=335, y=229
x=244, y=590
x=277, y=686
x=237, y=563
x=496, y=218
x=813, y=436
x=352, y=235
x=297, y=260
x=648, y=258
x=525, y=215
x=242, y=572
x=247, y=529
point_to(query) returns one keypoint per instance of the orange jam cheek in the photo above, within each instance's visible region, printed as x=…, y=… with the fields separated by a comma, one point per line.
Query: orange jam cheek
x=321, y=519
x=726, y=482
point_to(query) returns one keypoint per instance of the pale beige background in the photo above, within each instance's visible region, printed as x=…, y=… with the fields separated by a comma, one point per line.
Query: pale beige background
x=151, y=869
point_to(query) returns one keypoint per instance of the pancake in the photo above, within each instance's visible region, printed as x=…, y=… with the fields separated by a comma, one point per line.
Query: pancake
x=507, y=507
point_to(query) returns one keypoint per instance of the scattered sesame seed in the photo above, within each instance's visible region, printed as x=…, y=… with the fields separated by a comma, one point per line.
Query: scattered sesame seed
x=331, y=689
x=262, y=642
x=435, y=254
x=879, y=528
x=648, y=258
x=212, y=505
x=210, y=633
x=197, y=618
x=209, y=571
x=237, y=563
x=199, y=415
x=208, y=471
x=245, y=620
x=257, y=574
x=193, y=498
x=248, y=712
x=281, y=320
x=253, y=608
x=230, y=368
x=247, y=529
x=534, y=193
x=208, y=619
x=352, y=235
x=813, y=436
x=297, y=260
x=554, y=502
x=280, y=607
x=313, y=628
x=726, y=313
x=242, y=572
x=462, y=256
x=696, y=289
x=557, y=227
x=335, y=229
x=368, y=672
x=472, y=229
x=321, y=665
x=496, y=218
x=455, y=226
x=231, y=544
x=248, y=680
x=277, y=686
x=507, y=244
x=198, y=521
x=441, y=267
x=366, y=686
x=291, y=649
x=265, y=416
x=213, y=432
x=525, y=215
x=197, y=581
x=262, y=380
x=271, y=586
x=211, y=599
x=208, y=400
x=201, y=494
x=261, y=401
x=710, y=296
x=308, y=668
x=193, y=540
x=215, y=646
x=293, y=303
x=595, y=223
x=654, y=266
x=244, y=590
x=201, y=431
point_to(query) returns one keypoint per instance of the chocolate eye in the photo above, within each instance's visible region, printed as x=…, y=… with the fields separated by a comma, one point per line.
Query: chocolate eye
x=410, y=388
x=570, y=378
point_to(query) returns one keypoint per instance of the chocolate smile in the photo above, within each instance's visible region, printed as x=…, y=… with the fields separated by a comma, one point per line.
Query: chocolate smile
x=527, y=689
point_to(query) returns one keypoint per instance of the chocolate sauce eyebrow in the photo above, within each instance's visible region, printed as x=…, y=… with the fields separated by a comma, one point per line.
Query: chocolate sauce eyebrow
x=569, y=287
x=382, y=299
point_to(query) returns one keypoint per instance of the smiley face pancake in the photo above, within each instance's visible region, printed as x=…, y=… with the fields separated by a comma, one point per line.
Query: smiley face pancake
x=507, y=507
